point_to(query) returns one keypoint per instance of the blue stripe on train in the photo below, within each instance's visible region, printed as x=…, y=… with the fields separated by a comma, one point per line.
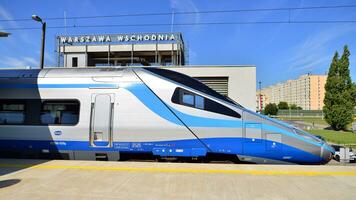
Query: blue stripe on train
x=142, y=92
x=186, y=148
x=153, y=103
x=84, y=85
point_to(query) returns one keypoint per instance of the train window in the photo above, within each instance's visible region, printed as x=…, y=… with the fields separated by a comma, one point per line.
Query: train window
x=184, y=97
x=189, y=82
x=188, y=98
x=12, y=112
x=60, y=112
x=199, y=102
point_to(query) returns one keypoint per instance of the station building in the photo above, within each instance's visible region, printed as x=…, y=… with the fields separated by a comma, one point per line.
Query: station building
x=166, y=50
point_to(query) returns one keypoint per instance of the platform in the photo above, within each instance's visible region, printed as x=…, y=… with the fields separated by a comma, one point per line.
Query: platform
x=62, y=179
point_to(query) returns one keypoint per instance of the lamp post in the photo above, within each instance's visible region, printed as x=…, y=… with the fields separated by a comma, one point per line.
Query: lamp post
x=4, y=34
x=38, y=19
x=260, y=96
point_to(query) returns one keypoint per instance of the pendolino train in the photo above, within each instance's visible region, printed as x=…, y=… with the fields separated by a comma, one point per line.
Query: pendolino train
x=92, y=113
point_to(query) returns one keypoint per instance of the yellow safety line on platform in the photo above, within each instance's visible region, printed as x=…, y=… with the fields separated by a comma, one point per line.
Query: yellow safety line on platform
x=187, y=170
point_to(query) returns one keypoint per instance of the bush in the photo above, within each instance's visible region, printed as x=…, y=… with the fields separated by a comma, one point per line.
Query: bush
x=283, y=105
x=271, y=109
x=293, y=107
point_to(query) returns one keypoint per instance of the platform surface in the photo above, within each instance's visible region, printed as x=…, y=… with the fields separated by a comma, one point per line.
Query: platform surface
x=62, y=179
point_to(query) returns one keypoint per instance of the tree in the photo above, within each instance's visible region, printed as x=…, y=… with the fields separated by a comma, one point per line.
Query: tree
x=283, y=105
x=271, y=109
x=293, y=107
x=339, y=101
x=353, y=94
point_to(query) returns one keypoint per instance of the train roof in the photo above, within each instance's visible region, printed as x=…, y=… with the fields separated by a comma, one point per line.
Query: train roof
x=62, y=72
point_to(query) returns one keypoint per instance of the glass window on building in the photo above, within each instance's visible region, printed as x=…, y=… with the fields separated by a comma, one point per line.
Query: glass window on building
x=75, y=62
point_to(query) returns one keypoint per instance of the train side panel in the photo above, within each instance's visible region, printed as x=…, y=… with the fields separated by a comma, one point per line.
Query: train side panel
x=251, y=137
x=135, y=128
x=218, y=132
x=136, y=111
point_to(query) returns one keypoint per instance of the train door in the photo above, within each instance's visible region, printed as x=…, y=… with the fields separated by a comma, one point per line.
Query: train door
x=253, y=143
x=102, y=107
x=273, y=142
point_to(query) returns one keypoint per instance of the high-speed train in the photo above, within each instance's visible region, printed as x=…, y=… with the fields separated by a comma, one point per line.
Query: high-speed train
x=92, y=113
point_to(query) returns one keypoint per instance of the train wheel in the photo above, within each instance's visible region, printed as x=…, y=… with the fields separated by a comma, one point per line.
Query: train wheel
x=236, y=160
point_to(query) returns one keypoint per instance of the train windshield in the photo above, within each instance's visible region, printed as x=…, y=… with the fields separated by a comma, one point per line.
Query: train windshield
x=187, y=98
x=190, y=82
x=307, y=135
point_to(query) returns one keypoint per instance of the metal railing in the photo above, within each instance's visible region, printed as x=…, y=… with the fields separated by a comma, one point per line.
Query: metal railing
x=304, y=113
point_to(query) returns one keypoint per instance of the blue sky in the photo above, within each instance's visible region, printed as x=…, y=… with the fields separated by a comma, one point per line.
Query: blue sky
x=279, y=51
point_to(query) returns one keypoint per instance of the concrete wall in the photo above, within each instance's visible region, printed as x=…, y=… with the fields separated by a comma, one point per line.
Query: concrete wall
x=119, y=48
x=242, y=80
x=146, y=51
x=82, y=59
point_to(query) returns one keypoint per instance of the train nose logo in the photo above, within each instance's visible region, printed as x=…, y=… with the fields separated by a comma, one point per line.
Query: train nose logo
x=57, y=132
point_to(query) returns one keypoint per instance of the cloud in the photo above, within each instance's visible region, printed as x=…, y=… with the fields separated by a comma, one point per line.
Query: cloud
x=7, y=16
x=312, y=52
x=267, y=15
x=23, y=35
x=11, y=62
x=49, y=59
x=186, y=6
x=26, y=61
x=12, y=59
x=193, y=56
x=30, y=61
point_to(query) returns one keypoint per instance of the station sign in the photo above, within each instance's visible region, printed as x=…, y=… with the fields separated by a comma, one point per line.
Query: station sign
x=119, y=38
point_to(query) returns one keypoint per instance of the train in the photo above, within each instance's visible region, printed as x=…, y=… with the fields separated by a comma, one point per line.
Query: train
x=106, y=113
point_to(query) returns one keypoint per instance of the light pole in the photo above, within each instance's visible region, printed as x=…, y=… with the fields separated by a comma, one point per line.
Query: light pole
x=38, y=19
x=260, y=96
x=4, y=34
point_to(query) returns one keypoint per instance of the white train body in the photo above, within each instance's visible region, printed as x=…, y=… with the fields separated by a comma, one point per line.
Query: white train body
x=88, y=113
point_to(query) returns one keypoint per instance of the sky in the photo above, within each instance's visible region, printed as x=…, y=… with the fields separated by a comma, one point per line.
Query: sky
x=279, y=51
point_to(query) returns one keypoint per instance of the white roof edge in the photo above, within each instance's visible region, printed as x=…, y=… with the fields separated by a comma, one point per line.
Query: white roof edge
x=190, y=66
x=92, y=67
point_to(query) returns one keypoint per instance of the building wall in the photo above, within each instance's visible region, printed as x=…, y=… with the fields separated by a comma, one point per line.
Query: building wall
x=317, y=92
x=159, y=52
x=307, y=92
x=241, y=80
x=82, y=59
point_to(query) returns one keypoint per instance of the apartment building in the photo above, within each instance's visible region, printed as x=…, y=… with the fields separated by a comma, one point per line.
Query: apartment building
x=307, y=92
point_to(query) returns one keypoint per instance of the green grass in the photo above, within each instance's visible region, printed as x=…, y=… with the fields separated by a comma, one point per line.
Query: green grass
x=338, y=137
x=316, y=120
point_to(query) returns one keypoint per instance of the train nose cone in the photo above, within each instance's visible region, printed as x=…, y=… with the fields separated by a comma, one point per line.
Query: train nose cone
x=326, y=153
